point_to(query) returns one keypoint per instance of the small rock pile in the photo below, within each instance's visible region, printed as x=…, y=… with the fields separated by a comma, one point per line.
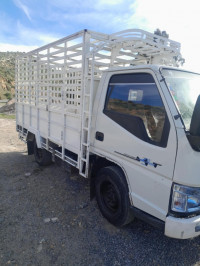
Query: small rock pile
x=9, y=108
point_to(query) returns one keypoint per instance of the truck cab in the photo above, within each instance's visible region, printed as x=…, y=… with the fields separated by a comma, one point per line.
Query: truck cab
x=142, y=118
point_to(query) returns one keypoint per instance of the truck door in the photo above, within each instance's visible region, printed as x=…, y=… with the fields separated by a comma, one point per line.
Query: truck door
x=134, y=128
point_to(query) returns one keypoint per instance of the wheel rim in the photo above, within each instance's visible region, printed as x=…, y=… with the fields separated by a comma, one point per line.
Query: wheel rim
x=110, y=196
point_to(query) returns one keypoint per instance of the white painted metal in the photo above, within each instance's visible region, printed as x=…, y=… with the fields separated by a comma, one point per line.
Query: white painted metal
x=55, y=83
x=186, y=172
x=182, y=228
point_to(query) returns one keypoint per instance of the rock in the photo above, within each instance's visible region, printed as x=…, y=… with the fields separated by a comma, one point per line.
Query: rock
x=80, y=224
x=47, y=220
x=39, y=249
x=27, y=174
x=42, y=241
x=83, y=205
x=8, y=108
x=54, y=220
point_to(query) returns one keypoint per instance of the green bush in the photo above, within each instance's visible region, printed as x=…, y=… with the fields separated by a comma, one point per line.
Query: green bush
x=8, y=95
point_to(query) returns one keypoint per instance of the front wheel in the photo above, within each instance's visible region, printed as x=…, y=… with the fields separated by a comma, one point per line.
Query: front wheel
x=42, y=156
x=113, y=196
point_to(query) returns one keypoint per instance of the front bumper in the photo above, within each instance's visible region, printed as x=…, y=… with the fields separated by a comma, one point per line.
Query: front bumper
x=182, y=228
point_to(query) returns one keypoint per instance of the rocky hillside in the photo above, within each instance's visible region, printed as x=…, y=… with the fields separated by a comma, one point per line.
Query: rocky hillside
x=7, y=74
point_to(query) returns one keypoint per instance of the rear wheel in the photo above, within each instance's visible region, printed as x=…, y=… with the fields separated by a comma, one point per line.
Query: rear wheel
x=112, y=196
x=42, y=156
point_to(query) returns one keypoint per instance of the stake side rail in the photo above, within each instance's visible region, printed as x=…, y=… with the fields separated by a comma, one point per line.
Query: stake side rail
x=55, y=84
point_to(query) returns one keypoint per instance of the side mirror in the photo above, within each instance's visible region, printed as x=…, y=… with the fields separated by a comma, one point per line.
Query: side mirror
x=195, y=121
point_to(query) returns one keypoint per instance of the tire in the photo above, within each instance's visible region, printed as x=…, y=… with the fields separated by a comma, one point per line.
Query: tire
x=42, y=156
x=112, y=196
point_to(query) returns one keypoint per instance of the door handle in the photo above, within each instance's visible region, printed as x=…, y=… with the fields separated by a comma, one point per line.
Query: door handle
x=99, y=136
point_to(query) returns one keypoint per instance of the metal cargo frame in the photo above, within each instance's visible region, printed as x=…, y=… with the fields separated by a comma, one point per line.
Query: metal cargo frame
x=55, y=85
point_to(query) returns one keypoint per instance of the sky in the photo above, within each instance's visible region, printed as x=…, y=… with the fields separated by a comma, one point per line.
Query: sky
x=28, y=24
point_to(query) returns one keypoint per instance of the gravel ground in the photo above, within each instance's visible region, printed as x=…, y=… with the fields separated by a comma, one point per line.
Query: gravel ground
x=47, y=218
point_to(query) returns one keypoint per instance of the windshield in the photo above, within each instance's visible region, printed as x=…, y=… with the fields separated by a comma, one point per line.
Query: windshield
x=185, y=89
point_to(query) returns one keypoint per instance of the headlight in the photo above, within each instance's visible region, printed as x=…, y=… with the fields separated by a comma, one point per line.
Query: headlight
x=185, y=199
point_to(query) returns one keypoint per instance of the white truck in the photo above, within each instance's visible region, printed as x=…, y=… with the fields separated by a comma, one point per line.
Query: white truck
x=118, y=108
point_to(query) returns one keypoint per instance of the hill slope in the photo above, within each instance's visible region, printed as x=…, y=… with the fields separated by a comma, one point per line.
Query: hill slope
x=7, y=74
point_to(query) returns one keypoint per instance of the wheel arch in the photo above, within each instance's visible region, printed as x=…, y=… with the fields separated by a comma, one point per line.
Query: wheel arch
x=98, y=162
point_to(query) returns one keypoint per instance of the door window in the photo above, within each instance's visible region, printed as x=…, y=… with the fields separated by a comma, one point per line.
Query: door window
x=133, y=101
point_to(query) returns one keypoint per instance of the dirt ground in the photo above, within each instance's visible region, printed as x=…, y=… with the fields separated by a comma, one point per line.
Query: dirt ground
x=47, y=218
